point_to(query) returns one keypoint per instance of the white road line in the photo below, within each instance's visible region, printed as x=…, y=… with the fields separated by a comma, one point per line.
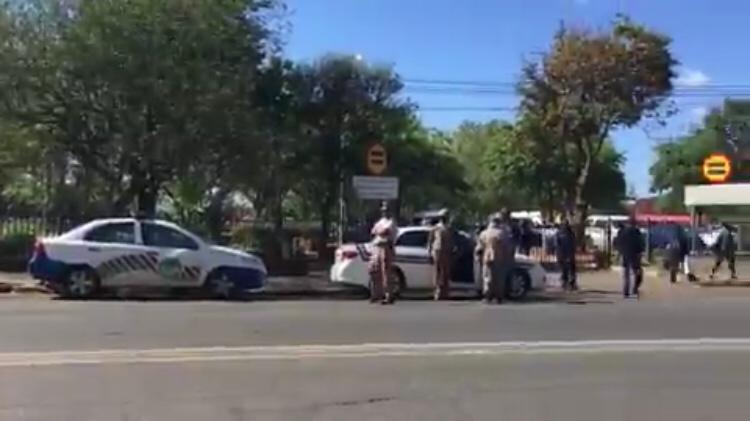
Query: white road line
x=365, y=350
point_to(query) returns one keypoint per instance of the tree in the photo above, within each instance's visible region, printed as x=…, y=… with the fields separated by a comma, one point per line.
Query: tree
x=139, y=92
x=678, y=163
x=591, y=83
x=345, y=105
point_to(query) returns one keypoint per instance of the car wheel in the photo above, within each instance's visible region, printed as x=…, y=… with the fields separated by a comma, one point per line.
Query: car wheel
x=517, y=285
x=218, y=285
x=81, y=283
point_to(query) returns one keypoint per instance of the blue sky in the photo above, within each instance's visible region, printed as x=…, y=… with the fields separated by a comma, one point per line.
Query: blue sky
x=487, y=40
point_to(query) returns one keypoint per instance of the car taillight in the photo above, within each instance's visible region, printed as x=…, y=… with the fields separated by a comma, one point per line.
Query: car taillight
x=348, y=254
x=39, y=250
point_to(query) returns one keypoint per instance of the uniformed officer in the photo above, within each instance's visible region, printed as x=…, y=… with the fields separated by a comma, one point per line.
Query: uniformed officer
x=496, y=249
x=381, y=270
x=440, y=248
x=565, y=249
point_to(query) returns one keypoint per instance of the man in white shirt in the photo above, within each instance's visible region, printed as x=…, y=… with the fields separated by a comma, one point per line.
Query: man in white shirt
x=381, y=263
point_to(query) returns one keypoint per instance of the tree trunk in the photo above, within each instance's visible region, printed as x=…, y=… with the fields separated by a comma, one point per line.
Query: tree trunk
x=146, y=199
x=580, y=213
x=325, y=228
x=215, y=214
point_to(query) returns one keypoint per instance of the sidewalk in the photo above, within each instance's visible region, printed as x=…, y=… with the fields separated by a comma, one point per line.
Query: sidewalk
x=314, y=285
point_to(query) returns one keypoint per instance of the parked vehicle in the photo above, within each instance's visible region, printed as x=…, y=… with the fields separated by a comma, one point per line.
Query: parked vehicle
x=413, y=270
x=131, y=252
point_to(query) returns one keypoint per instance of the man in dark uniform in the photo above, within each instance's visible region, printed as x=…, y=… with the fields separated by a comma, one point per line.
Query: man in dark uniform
x=725, y=250
x=629, y=243
x=565, y=248
x=677, y=250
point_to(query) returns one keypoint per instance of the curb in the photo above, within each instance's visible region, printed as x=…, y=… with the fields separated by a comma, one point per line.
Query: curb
x=318, y=293
x=6, y=288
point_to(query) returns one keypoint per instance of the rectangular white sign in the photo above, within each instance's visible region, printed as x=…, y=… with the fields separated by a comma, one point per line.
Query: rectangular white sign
x=376, y=188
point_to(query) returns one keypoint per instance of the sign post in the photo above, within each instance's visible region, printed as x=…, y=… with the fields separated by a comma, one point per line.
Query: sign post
x=376, y=188
x=377, y=159
x=717, y=168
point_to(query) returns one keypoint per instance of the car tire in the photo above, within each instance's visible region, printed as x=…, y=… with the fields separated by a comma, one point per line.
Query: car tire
x=80, y=283
x=517, y=286
x=219, y=286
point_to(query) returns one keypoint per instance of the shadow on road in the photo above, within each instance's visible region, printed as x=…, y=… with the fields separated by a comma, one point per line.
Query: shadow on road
x=728, y=283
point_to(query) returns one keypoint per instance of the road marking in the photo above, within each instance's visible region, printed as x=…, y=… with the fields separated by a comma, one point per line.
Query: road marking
x=302, y=352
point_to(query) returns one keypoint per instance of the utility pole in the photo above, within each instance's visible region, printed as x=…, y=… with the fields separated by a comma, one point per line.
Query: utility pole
x=342, y=184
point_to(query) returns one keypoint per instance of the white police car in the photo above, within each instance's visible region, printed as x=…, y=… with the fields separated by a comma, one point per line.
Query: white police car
x=413, y=270
x=130, y=252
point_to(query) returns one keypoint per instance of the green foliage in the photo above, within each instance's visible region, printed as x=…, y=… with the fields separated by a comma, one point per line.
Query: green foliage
x=679, y=163
x=137, y=91
x=589, y=84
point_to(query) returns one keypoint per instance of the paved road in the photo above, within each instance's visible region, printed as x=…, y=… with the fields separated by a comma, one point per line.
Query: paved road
x=167, y=365
x=42, y=325
x=710, y=385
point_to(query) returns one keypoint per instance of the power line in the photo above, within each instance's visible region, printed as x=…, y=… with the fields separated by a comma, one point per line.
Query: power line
x=506, y=84
x=467, y=109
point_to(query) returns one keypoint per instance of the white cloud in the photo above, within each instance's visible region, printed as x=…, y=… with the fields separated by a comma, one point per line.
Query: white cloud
x=699, y=113
x=692, y=78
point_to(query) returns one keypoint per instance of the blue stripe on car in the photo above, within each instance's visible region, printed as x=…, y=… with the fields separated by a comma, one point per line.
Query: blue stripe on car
x=46, y=269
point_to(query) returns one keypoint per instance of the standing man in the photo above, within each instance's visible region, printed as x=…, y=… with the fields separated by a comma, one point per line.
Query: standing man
x=381, y=271
x=527, y=238
x=488, y=251
x=496, y=247
x=725, y=249
x=565, y=248
x=629, y=243
x=510, y=237
x=440, y=250
x=677, y=251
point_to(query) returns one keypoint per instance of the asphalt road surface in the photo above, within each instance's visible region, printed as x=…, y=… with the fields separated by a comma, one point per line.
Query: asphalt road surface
x=604, y=359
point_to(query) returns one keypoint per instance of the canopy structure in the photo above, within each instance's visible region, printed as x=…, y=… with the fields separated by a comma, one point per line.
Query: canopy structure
x=717, y=195
x=722, y=200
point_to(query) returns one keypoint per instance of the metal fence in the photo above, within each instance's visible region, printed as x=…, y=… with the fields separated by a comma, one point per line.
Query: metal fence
x=35, y=226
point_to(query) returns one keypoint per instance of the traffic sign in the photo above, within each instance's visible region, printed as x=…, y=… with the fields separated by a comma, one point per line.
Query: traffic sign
x=717, y=168
x=377, y=159
x=375, y=188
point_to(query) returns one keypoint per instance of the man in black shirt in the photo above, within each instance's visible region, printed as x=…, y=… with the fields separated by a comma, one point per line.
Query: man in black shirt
x=629, y=243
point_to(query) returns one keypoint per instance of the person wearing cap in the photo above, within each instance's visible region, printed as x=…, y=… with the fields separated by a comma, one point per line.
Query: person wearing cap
x=440, y=249
x=496, y=250
x=381, y=263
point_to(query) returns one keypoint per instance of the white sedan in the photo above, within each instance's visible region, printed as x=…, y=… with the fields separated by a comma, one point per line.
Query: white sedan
x=413, y=270
x=130, y=252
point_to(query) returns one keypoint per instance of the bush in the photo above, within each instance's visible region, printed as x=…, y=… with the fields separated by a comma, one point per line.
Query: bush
x=15, y=251
x=267, y=245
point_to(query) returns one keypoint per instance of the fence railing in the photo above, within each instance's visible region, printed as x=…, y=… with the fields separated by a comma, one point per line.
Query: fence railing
x=35, y=226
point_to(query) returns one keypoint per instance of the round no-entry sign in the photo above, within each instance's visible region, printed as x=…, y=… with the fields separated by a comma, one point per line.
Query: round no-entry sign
x=377, y=159
x=717, y=168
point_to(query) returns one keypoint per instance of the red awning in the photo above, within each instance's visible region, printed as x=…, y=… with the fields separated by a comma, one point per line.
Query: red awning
x=663, y=218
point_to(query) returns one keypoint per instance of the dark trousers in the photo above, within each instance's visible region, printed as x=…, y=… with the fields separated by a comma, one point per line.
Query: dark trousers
x=568, y=276
x=631, y=267
x=730, y=262
x=673, y=264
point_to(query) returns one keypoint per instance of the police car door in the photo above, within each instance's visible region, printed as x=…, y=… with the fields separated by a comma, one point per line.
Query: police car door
x=178, y=255
x=112, y=250
x=412, y=258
